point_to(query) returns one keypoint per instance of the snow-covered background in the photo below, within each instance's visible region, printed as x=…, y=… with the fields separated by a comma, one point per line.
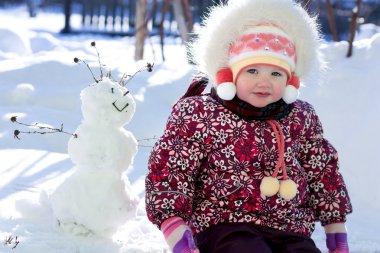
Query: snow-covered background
x=39, y=82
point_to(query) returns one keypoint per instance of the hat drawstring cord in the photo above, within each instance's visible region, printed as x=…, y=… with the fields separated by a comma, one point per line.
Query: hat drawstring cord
x=280, y=145
x=271, y=185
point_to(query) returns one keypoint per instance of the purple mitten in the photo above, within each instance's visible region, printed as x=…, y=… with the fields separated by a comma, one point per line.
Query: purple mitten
x=178, y=236
x=337, y=243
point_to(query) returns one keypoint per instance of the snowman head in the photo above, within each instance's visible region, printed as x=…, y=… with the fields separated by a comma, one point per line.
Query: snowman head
x=107, y=103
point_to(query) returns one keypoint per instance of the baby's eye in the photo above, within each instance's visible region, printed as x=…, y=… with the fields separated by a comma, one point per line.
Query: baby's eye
x=276, y=73
x=252, y=71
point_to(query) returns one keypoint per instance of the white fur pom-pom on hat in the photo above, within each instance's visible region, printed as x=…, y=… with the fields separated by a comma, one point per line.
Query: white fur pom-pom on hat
x=292, y=90
x=226, y=89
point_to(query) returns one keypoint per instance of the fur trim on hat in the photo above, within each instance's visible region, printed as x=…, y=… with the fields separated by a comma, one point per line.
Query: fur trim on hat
x=226, y=22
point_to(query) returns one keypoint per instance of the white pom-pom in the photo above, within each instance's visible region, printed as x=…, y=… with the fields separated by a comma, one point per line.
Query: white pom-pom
x=269, y=186
x=226, y=91
x=291, y=94
x=288, y=189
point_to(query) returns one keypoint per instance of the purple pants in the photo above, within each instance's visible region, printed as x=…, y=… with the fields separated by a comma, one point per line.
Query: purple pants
x=251, y=238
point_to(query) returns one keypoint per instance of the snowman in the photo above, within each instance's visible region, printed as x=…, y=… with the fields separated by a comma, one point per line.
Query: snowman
x=96, y=198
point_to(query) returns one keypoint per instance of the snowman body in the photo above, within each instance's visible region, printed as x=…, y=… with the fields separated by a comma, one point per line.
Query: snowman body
x=96, y=198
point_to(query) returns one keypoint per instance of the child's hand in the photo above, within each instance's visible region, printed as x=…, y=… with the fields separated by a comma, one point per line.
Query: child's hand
x=336, y=238
x=178, y=236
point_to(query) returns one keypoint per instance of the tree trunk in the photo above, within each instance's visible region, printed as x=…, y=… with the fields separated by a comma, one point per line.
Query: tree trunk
x=180, y=18
x=165, y=9
x=32, y=8
x=188, y=14
x=140, y=28
x=67, y=8
x=354, y=19
x=330, y=16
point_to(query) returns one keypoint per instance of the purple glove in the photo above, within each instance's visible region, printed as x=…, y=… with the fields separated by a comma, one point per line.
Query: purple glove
x=178, y=236
x=337, y=243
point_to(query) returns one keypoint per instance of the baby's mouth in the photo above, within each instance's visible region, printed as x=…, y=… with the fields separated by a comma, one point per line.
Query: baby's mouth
x=262, y=94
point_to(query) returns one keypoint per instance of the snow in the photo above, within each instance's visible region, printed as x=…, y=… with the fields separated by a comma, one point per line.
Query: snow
x=40, y=83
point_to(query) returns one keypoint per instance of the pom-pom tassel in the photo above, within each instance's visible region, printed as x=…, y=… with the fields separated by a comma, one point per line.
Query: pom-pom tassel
x=270, y=186
x=288, y=189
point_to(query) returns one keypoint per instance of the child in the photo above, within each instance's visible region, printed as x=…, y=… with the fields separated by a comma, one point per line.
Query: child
x=246, y=168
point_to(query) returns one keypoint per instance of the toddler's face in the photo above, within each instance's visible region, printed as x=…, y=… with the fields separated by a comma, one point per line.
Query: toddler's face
x=261, y=85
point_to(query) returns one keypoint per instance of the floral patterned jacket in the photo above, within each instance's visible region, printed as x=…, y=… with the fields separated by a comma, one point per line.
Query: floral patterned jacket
x=208, y=165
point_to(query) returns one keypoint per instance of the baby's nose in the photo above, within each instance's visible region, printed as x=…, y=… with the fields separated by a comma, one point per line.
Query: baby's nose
x=263, y=81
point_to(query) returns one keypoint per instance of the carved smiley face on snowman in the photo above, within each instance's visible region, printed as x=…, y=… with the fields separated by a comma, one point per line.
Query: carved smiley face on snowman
x=107, y=103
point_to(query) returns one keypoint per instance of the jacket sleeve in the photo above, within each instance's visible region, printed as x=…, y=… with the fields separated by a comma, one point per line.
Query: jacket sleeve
x=328, y=193
x=174, y=164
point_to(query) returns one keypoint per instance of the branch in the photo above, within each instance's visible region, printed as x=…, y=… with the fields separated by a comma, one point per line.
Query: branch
x=50, y=130
x=148, y=67
x=147, y=139
x=77, y=60
x=100, y=65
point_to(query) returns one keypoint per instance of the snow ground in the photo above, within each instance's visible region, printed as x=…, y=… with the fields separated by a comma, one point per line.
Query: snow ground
x=41, y=83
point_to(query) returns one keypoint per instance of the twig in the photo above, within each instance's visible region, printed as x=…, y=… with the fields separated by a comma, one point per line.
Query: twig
x=100, y=65
x=147, y=139
x=51, y=129
x=148, y=67
x=145, y=146
x=76, y=60
x=117, y=108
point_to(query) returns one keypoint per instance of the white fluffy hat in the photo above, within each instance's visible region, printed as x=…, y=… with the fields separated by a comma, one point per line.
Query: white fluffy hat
x=227, y=23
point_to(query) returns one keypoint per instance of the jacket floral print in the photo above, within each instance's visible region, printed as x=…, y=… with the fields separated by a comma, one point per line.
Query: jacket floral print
x=208, y=165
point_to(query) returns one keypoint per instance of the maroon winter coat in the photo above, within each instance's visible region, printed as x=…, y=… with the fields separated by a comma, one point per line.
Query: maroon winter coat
x=208, y=165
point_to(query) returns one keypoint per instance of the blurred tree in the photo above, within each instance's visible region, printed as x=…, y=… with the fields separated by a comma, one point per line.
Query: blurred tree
x=331, y=19
x=353, y=25
x=141, y=28
x=183, y=17
x=67, y=10
x=32, y=8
